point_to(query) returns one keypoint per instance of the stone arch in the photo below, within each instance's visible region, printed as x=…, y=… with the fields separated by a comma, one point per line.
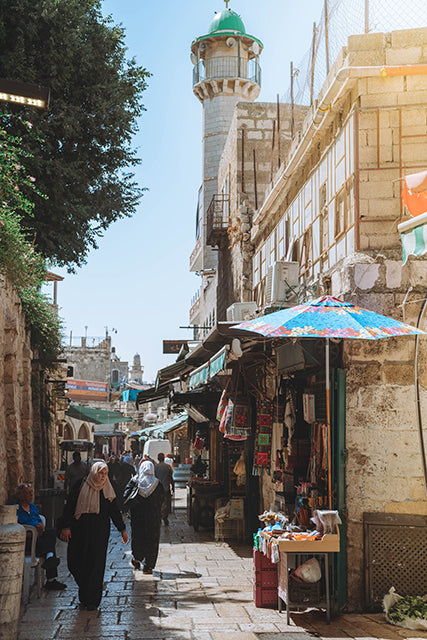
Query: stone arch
x=68, y=432
x=84, y=432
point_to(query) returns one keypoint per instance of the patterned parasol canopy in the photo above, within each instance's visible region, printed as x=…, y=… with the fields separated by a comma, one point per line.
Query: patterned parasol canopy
x=328, y=317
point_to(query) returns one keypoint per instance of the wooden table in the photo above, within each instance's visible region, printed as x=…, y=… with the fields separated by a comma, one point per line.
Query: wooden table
x=330, y=543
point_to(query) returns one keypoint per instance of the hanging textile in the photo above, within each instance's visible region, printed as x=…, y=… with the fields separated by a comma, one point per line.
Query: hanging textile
x=264, y=423
x=290, y=415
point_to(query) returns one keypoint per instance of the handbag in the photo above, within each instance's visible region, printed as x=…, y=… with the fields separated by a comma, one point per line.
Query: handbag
x=131, y=493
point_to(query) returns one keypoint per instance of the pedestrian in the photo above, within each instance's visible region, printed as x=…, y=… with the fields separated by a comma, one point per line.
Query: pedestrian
x=145, y=519
x=75, y=471
x=85, y=525
x=164, y=473
x=126, y=472
x=28, y=514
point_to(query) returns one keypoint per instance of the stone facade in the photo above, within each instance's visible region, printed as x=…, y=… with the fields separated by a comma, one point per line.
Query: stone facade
x=28, y=451
x=344, y=174
x=96, y=362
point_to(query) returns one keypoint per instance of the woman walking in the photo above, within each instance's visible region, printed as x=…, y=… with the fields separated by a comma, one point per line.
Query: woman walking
x=86, y=527
x=145, y=519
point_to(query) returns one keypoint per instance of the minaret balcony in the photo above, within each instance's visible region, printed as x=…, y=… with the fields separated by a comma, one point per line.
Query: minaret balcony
x=225, y=67
x=217, y=218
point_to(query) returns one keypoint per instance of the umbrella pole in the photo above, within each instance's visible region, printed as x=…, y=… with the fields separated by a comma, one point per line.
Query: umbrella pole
x=328, y=424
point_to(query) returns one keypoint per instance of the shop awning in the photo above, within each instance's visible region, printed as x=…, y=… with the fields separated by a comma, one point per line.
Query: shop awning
x=161, y=429
x=210, y=369
x=414, y=236
x=152, y=393
x=96, y=416
x=172, y=371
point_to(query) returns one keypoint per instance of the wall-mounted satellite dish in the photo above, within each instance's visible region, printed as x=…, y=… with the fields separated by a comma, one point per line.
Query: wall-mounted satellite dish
x=193, y=58
x=230, y=42
x=256, y=48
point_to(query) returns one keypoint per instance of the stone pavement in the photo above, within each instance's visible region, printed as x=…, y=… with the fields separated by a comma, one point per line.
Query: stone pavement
x=200, y=590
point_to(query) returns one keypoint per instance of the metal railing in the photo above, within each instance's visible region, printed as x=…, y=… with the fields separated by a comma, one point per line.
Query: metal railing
x=227, y=67
x=217, y=218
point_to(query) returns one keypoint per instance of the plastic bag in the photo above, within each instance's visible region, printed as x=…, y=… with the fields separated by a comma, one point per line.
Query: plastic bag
x=409, y=623
x=309, y=571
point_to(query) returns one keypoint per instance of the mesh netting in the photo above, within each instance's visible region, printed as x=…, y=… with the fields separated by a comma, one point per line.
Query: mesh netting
x=345, y=18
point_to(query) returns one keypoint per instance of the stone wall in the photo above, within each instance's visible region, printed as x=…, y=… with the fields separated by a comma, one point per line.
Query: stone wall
x=16, y=415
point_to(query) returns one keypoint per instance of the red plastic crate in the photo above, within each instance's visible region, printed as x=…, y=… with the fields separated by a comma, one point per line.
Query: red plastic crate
x=261, y=561
x=265, y=597
x=267, y=578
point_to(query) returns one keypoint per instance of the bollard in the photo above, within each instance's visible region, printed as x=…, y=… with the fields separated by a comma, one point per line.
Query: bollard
x=12, y=554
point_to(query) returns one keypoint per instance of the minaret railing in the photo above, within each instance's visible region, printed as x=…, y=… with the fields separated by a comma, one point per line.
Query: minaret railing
x=227, y=67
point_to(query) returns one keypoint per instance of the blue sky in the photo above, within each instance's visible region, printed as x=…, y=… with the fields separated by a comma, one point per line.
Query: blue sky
x=138, y=282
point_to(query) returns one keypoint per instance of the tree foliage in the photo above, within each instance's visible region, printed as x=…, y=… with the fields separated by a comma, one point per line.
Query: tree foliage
x=83, y=157
x=24, y=267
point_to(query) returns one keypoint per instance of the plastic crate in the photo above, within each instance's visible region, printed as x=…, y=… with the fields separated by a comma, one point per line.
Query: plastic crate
x=229, y=529
x=265, y=597
x=267, y=578
x=262, y=562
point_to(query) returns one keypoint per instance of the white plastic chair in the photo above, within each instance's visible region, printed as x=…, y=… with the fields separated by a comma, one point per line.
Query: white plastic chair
x=32, y=562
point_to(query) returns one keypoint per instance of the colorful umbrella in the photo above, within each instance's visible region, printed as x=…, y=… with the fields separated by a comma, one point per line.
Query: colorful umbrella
x=328, y=317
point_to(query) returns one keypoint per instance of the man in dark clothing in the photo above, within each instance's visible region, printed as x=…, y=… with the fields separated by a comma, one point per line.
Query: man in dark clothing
x=164, y=473
x=28, y=514
x=75, y=471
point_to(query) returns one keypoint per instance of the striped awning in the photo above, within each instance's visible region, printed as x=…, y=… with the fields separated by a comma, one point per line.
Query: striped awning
x=414, y=236
x=210, y=369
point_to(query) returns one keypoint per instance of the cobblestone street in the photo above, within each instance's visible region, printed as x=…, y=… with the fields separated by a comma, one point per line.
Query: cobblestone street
x=200, y=590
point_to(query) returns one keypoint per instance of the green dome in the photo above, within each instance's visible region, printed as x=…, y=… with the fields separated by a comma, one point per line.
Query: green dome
x=227, y=20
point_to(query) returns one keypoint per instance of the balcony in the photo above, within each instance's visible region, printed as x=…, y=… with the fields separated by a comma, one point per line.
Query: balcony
x=196, y=261
x=217, y=218
x=227, y=67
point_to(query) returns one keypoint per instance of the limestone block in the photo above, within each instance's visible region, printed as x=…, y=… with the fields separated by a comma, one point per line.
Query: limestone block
x=366, y=58
x=417, y=489
x=416, y=507
x=408, y=55
x=393, y=274
x=414, y=116
x=414, y=152
x=408, y=37
x=376, y=189
x=412, y=97
x=382, y=99
x=384, y=207
x=379, y=85
x=415, y=131
x=366, y=275
x=366, y=42
x=368, y=156
x=264, y=124
x=255, y=135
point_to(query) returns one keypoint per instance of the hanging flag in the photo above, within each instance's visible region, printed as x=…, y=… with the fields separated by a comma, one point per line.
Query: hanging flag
x=414, y=236
x=414, y=193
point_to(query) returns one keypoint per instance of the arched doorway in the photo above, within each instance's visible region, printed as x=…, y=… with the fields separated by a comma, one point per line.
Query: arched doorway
x=83, y=432
x=68, y=432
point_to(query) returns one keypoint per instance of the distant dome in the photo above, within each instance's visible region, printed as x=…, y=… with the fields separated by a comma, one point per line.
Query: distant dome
x=227, y=20
x=150, y=417
x=136, y=359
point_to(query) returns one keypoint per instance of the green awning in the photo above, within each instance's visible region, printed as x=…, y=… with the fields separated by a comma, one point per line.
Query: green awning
x=210, y=369
x=96, y=416
x=414, y=236
x=158, y=430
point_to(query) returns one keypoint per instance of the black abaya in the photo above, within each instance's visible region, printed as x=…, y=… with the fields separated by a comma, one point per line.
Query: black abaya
x=145, y=522
x=87, y=549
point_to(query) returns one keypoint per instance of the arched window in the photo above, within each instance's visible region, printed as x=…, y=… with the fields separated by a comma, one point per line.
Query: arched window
x=68, y=432
x=83, y=433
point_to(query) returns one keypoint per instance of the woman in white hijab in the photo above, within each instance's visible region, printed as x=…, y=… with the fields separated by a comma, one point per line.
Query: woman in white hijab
x=145, y=519
x=85, y=526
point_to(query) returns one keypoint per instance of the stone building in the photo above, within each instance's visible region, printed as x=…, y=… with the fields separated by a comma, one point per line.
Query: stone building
x=323, y=220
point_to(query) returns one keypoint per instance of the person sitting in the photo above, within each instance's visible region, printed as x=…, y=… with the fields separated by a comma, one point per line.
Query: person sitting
x=28, y=514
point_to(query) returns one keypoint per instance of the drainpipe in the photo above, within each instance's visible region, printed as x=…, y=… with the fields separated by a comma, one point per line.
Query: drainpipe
x=417, y=392
x=327, y=102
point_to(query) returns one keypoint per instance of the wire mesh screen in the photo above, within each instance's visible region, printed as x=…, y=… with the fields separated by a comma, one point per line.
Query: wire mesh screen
x=339, y=20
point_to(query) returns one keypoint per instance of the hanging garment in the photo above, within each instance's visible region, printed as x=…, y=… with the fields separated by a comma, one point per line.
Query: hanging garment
x=264, y=422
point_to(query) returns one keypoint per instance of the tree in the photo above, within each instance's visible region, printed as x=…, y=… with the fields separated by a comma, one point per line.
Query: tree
x=82, y=154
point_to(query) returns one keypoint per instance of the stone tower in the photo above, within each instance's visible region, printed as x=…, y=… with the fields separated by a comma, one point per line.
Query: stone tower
x=136, y=371
x=225, y=71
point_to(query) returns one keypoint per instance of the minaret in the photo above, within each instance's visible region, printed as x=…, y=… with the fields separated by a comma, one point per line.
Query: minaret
x=226, y=71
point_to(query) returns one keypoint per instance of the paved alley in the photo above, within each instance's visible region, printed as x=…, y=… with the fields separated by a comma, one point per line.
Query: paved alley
x=200, y=590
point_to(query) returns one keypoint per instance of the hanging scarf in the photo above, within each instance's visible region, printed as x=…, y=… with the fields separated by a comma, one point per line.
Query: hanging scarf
x=88, y=500
x=147, y=481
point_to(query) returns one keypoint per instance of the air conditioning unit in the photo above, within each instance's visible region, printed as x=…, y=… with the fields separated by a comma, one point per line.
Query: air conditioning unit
x=281, y=287
x=240, y=311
